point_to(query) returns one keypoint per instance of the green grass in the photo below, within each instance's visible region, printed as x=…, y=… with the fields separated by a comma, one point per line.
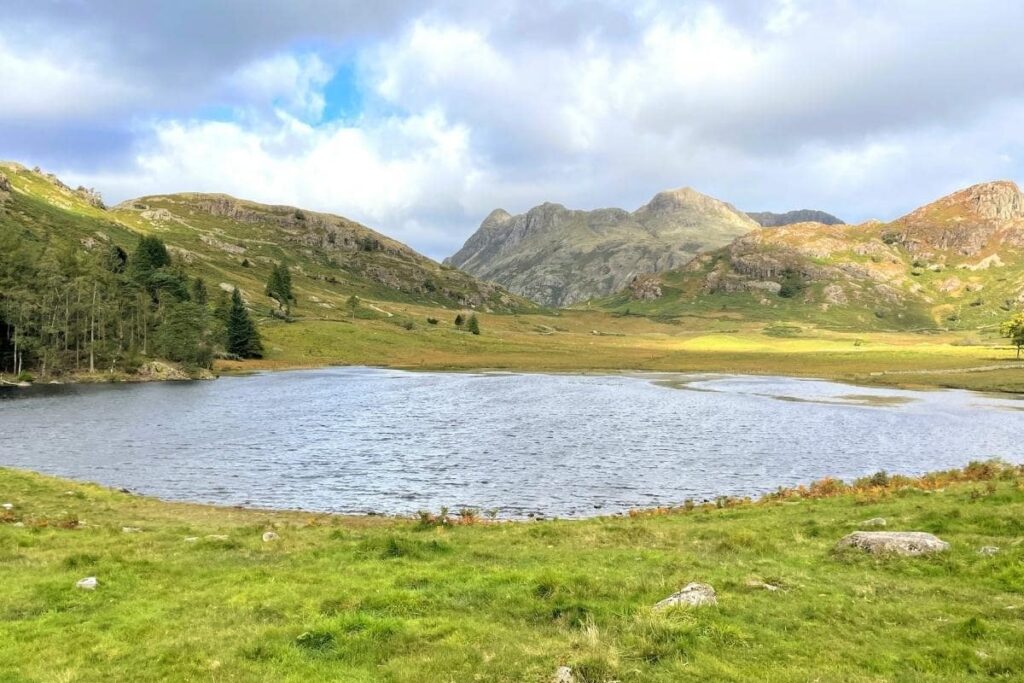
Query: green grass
x=371, y=599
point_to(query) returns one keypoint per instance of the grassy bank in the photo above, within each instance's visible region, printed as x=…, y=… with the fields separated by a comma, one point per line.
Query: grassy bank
x=592, y=340
x=196, y=594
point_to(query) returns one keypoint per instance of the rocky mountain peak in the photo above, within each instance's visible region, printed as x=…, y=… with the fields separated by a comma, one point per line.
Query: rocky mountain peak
x=999, y=200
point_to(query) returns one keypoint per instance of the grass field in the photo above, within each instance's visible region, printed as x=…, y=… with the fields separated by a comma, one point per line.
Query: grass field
x=593, y=340
x=196, y=594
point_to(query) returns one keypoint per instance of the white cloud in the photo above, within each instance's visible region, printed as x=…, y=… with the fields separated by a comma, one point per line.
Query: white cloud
x=863, y=109
x=293, y=83
x=382, y=173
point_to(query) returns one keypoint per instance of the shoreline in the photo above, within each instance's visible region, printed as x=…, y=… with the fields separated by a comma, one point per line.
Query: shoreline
x=826, y=486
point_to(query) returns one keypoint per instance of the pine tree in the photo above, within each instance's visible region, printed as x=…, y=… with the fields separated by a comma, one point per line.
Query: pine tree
x=459, y=320
x=279, y=286
x=473, y=325
x=243, y=339
x=200, y=297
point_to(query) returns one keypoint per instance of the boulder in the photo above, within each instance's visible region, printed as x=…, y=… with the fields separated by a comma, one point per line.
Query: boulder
x=89, y=583
x=894, y=542
x=270, y=536
x=692, y=595
x=563, y=674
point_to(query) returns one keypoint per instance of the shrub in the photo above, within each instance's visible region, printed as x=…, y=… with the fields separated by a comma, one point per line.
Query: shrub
x=432, y=321
x=25, y=376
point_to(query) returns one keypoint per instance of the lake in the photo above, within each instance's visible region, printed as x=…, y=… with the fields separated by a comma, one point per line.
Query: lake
x=369, y=440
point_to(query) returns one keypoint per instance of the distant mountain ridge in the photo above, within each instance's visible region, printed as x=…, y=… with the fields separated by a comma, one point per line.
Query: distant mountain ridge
x=558, y=256
x=957, y=262
x=768, y=219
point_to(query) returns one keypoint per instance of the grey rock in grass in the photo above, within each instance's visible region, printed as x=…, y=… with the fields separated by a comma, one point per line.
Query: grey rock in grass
x=269, y=536
x=754, y=583
x=89, y=583
x=563, y=674
x=874, y=521
x=7, y=506
x=692, y=595
x=217, y=537
x=191, y=539
x=131, y=530
x=988, y=550
x=909, y=543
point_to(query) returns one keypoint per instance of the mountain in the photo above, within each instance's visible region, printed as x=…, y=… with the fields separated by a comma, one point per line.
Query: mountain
x=955, y=263
x=558, y=256
x=767, y=219
x=234, y=241
x=81, y=290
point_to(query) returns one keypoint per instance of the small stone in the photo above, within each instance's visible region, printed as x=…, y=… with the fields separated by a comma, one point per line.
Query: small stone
x=216, y=537
x=874, y=521
x=191, y=539
x=89, y=583
x=7, y=506
x=270, y=536
x=692, y=595
x=754, y=583
x=563, y=674
x=909, y=543
x=131, y=530
x=988, y=550
x=19, y=524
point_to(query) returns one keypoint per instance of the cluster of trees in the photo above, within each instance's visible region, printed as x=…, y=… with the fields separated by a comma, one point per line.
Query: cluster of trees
x=472, y=324
x=66, y=309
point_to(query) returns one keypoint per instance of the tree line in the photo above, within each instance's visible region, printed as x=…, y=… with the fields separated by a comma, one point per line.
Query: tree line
x=66, y=309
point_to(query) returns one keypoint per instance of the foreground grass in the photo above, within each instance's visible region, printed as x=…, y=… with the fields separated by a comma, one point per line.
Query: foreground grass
x=369, y=599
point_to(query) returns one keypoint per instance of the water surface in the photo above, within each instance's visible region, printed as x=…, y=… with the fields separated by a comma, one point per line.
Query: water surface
x=362, y=440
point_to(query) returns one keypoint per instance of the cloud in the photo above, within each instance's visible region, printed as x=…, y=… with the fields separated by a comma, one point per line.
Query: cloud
x=382, y=172
x=864, y=109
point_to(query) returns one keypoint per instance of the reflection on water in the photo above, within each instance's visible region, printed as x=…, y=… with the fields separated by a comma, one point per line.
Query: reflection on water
x=358, y=439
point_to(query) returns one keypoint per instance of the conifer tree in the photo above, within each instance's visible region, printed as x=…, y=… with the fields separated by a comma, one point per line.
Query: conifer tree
x=473, y=325
x=243, y=339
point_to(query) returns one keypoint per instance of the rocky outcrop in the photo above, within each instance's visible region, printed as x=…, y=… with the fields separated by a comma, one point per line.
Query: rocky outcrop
x=645, y=287
x=908, y=543
x=558, y=256
x=768, y=219
x=5, y=184
x=692, y=595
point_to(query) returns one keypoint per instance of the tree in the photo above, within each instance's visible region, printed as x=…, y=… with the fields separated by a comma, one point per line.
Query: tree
x=150, y=255
x=1014, y=330
x=180, y=337
x=353, y=305
x=243, y=339
x=279, y=286
x=473, y=325
x=200, y=296
x=459, y=320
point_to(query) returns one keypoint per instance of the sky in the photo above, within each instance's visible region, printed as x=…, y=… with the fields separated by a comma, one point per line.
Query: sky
x=419, y=118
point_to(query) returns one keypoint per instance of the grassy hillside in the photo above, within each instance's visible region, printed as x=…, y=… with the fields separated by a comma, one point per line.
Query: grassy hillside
x=235, y=242
x=189, y=592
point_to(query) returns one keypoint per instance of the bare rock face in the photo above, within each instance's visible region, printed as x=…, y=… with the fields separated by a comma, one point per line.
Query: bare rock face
x=645, y=287
x=692, y=595
x=558, y=256
x=908, y=543
x=5, y=184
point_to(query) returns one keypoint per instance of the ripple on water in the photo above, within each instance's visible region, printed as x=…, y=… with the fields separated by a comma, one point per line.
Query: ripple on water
x=357, y=439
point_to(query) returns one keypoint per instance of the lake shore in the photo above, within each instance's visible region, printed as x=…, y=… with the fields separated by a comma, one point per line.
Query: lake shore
x=253, y=594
